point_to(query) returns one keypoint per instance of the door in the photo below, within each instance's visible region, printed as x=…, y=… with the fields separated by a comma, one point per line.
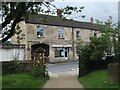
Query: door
x=66, y=53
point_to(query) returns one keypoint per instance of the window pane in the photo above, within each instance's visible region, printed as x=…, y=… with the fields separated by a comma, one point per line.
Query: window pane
x=77, y=34
x=95, y=34
x=61, y=32
x=61, y=53
x=40, y=31
x=57, y=53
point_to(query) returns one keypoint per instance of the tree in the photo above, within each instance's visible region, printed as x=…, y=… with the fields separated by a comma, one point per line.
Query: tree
x=107, y=44
x=14, y=12
x=79, y=46
x=102, y=45
x=116, y=42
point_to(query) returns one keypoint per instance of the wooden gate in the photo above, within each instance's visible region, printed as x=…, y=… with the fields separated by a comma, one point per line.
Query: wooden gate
x=39, y=62
x=39, y=56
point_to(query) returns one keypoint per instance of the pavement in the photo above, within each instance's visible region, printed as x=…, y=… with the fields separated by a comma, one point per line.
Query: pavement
x=63, y=82
x=63, y=75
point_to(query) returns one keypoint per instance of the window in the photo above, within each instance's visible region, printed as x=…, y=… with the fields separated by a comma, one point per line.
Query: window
x=61, y=32
x=95, y=34
x=59, y=53
x=77, y=34
x=40, y=31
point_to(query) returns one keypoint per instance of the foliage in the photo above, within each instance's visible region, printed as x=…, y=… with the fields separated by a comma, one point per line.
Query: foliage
x=103, y=44
x=39, y=66
x=22, y=81
x=100, y=47
x=116, y=43
x=106, y=44
x=79, y=46
x=7, y=43
x=97, y=80
x=39, y=71
x=15, y=12
x=84, y=55
x=14, y=66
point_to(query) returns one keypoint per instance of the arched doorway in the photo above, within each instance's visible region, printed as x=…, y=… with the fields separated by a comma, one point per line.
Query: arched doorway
x=35, y=46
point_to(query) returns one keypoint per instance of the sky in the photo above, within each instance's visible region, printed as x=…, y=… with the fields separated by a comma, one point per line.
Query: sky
x=98, y=9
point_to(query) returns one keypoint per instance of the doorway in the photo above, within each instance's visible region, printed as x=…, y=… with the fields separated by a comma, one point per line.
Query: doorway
x=35, y=46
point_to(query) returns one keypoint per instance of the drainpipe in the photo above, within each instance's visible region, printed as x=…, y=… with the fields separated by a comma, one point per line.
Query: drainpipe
x=73, y=48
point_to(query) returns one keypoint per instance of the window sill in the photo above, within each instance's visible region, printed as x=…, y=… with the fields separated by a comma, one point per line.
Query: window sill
x=41, y=37
x=61, y=38
x=77, y=37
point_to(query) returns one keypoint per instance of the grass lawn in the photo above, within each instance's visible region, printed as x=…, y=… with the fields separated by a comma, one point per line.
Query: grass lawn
x=22, y=81
x=96, y=80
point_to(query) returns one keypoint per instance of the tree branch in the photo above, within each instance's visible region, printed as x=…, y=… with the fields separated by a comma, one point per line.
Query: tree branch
x=12, y=30
x=17, y=17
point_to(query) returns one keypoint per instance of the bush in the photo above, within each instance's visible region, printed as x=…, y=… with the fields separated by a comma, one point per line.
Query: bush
x=39, y=70
x=14, y=66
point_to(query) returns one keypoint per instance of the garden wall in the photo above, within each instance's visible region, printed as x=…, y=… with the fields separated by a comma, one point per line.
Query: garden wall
x=8, y=53
x=24, y=66
x=113, y=72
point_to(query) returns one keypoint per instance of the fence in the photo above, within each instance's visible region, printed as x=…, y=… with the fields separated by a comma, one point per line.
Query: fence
x=11, y=52
x=95, y=65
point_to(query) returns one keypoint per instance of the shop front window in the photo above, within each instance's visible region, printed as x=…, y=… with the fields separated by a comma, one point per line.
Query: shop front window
x=59, y=53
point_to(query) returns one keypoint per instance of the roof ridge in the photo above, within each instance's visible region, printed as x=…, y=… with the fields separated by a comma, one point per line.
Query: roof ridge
x=57, y=21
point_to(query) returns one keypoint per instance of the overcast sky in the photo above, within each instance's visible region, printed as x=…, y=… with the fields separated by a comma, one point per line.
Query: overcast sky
x=98, y=9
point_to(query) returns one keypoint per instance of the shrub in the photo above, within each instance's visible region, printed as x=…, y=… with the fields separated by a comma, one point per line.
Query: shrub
x=14, y=66
x=39, y=70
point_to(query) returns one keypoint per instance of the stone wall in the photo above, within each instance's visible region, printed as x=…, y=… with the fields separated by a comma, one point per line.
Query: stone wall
x=113, y=73
x=50, y=37
x=25, y=66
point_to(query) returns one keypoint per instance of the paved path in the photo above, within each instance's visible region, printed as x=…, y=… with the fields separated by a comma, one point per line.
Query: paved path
x=66, y=79
x=63, y=82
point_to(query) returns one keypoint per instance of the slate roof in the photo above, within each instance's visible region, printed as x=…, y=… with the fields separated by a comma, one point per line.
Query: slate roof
x=56, y=21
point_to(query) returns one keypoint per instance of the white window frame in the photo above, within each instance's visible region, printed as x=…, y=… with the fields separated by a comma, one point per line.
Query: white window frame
x=61, y=33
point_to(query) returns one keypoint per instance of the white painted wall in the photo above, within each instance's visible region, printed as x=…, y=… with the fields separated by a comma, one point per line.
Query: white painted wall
x=8, y=54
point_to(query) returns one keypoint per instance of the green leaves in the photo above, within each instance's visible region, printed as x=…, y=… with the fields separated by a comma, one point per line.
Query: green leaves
x=106, y=44
x=79, y=46
x=83, y=16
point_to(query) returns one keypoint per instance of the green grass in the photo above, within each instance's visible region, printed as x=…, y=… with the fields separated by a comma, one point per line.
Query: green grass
x=97, y=79
x=22, y=81
x=0, y=81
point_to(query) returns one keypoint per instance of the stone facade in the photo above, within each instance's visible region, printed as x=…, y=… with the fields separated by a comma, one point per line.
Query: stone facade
x=57, y=48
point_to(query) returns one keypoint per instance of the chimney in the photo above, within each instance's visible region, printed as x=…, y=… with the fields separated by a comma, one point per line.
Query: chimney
x=59, y=13
x=91, y=19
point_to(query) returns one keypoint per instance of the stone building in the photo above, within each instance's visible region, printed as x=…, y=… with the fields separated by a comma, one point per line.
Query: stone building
x=56, y=36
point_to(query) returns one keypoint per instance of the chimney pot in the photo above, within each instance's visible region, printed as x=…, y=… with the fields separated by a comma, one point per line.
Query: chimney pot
x=91, y=19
